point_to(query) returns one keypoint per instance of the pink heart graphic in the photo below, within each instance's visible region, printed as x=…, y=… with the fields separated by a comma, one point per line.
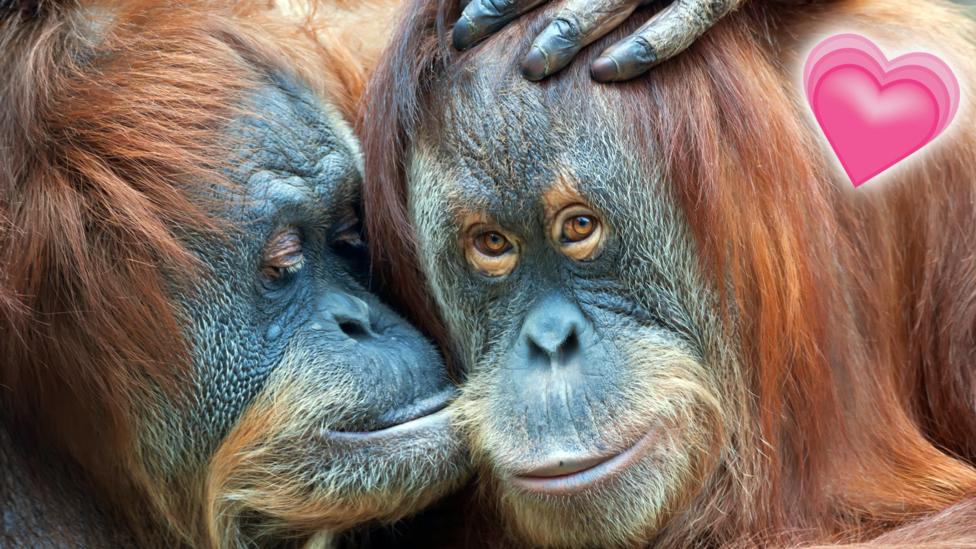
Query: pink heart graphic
x=875, y=112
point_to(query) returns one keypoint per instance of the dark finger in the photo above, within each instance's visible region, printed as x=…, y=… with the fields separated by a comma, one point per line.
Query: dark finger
x=481, y=18
x=578, y=23
x=667, y=34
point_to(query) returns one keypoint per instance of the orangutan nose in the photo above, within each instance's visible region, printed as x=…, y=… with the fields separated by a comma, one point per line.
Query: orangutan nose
x=551, y=333
x=351, y=314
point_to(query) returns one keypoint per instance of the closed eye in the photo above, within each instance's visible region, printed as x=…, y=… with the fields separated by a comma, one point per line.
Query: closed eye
x=347, y=240
x=282, y=255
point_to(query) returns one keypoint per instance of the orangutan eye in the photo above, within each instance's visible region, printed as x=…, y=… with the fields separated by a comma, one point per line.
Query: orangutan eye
x=579, y=228
x=282, y=254
x=491, y=251
x=347, y=240
x=346, y=237
x=578, y=232
x=492, y=243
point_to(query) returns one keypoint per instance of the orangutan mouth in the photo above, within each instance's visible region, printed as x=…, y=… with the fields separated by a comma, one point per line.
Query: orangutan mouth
x=569, y=475
x=426, y=415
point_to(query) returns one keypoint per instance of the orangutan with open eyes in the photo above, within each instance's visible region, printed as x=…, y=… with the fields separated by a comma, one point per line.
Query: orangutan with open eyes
x=679, y=325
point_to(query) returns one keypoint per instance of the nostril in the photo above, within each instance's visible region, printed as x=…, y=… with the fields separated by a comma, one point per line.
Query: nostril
x=554, y=332
x=560, y=353
x=537, y=355
x=355, y=329
x=348, y=313
x=569, y=351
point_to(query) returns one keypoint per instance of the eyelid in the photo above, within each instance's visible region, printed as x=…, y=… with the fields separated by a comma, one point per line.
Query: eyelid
x=345, y=230
x=284, y=248
x=349, y=234
x=349, y=221
x=480, y=229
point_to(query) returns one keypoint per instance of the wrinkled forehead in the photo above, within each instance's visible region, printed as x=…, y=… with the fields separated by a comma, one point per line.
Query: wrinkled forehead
x=495, y=142
x=293, y=155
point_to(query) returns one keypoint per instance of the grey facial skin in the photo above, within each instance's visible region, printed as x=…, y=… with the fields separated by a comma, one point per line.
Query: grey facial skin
x=300, y=170
x=594, y=384
x=316, y=405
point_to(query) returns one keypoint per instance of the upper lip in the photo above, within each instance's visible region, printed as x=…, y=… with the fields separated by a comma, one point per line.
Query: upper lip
x=568, y=474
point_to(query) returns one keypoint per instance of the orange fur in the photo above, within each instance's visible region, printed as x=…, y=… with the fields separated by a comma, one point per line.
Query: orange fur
x=111, y=118
x=855, y=308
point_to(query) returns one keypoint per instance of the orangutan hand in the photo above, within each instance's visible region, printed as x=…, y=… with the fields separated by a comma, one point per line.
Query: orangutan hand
x=580, y=22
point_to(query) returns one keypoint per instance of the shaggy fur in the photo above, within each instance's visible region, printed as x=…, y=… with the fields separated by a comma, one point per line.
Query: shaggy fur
x=115, y=152
x=840, y=321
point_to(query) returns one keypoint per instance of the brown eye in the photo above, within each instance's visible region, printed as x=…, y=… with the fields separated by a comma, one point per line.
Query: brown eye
x=578, y=233
x=492, y=243
x=282, y=254
x=491, y=252
x=578, y=228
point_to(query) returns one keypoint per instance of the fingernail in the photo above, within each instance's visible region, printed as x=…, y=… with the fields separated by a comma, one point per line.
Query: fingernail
x=604, y=69
x=535, y=64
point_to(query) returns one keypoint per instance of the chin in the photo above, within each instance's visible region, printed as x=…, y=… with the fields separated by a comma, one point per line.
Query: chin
x=291, y=468
x=395, y=470
x=619, y=498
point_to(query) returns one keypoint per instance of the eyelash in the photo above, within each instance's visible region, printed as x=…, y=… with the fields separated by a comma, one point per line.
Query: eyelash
x=292, y=269
x=343, y=238
x=287, y=257
x=336, y=236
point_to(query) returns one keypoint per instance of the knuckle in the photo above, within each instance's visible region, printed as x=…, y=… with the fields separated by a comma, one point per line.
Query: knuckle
x=568, y=27
x=720, y=7
x=497, y=8
x=642, y=51
x=712, y=10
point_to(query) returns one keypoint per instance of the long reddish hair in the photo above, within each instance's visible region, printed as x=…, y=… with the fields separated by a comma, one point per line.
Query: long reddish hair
x=855, y=308
x=111, y=135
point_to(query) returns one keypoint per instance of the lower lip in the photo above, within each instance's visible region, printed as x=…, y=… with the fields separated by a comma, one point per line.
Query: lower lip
x=421, y=408
x=579, y=481
x=437, y=421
